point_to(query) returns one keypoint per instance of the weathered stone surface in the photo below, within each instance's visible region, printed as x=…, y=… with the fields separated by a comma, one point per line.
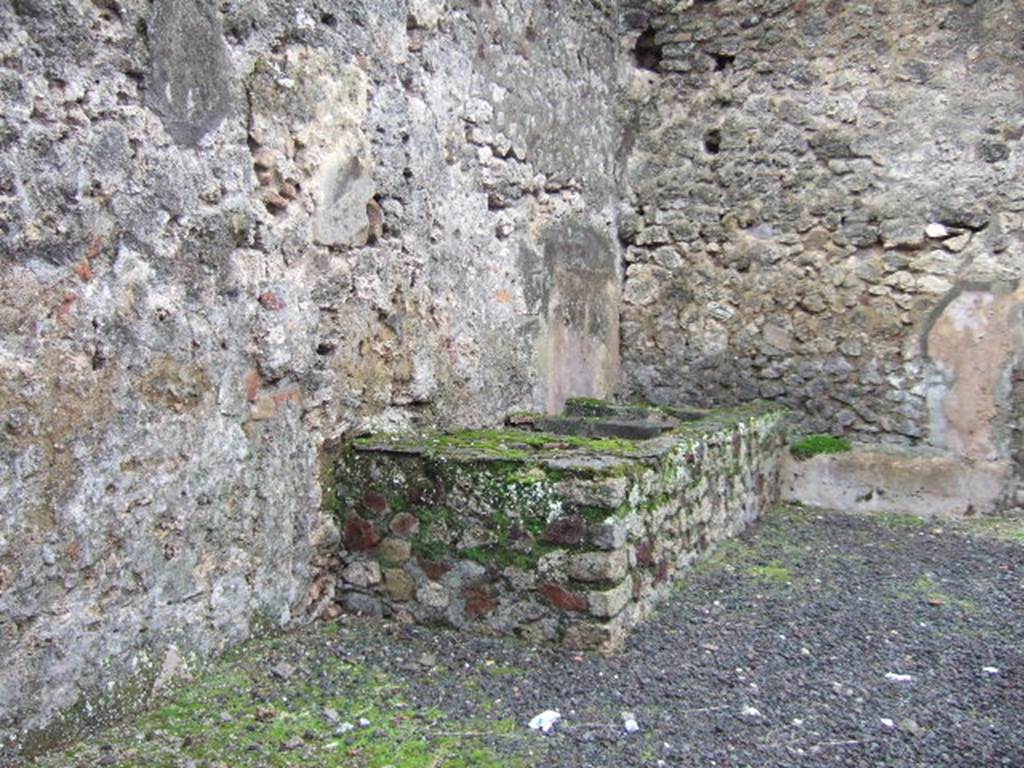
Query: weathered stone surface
x=598, y=566
x=230, y=234
x=433, y=595
x=608, y=535
x=362, y=574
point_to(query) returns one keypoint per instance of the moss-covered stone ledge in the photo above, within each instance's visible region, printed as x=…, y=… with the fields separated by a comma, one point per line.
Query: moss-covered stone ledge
x=551, y=536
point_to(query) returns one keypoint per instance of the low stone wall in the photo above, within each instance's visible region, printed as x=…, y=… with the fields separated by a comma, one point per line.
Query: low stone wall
x=547, y=536
x=894, y=479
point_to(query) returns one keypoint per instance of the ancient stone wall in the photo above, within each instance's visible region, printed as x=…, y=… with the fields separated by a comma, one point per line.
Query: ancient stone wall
x=230, y=231
x=824, y=208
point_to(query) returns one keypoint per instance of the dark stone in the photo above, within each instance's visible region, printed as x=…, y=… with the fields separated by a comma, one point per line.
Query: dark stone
x=562, y=598
x=360, y=534
x=993, y=151
x=479, y=601
x=190, y=76
x=567, y=530
x=404, y=524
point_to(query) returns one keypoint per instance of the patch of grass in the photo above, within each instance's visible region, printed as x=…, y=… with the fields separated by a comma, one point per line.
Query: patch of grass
x=774, y=572
x=814, y=445
x=925, y=589
x=239, y=713
x=1001, y=528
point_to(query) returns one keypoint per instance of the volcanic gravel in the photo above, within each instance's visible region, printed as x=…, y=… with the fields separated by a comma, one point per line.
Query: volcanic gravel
x=784, y=650
x=814, y=639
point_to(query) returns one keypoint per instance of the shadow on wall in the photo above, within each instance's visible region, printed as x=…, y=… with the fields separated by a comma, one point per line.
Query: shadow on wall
x=579, y=294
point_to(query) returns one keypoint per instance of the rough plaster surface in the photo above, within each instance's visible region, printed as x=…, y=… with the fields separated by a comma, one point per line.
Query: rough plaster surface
x=230, y=231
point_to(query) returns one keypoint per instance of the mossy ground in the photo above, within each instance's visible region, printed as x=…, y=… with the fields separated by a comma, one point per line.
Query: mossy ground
x=242, y=712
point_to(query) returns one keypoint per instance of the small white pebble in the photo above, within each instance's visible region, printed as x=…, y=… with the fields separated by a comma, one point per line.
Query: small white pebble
x=805, y=651
x=364, y=723
x=630, y=723
x=749, y=711
x=885, y=722
x=898, y=678
x=798, y=721
x=990, y=670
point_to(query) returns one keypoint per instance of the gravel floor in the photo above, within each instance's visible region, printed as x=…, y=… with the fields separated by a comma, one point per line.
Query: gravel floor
x=815, y=639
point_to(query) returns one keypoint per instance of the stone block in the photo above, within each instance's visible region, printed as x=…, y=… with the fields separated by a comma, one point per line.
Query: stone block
x=608, y=603
x=598, y=566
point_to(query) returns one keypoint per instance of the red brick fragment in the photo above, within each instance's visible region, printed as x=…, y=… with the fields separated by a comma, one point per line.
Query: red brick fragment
x=479, y=601
x=566, y=530
x=271, y=301
x=645, y=553
x=376, y=502
x=434, y=569
x=562, y=598
x=360, y=534
x=661, y=574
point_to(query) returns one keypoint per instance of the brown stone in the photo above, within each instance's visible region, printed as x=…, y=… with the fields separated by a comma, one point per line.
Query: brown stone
x=399, y=585
x=479, y=601
x=566, y=530
x=562, y=598
x=360, y=534
x=405, y=525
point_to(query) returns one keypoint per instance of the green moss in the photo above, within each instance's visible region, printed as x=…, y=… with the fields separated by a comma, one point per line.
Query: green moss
x=238, y=714
x=813, y=445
